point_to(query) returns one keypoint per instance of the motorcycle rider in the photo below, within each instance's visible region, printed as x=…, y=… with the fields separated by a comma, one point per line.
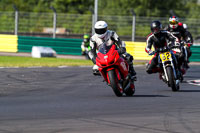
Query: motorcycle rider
x=159, y=39
x=188, y=33
x=101, y=35
x=189, y=43
x=85, y=44
x=184, y=36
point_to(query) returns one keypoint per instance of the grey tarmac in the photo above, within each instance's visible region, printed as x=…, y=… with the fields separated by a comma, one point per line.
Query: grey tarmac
x=72, y=100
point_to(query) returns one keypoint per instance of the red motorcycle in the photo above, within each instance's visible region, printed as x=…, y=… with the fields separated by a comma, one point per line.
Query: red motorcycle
x=115, y=70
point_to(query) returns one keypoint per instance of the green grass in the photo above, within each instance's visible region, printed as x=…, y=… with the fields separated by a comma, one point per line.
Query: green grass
x=12, y=61
x=16, y=61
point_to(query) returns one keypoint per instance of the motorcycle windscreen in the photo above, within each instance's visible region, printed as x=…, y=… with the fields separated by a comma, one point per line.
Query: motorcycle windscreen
x=104, y=49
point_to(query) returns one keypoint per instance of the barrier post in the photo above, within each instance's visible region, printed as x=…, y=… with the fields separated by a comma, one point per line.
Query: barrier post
x=54, y=21
x=133, y=25
x=16, y=19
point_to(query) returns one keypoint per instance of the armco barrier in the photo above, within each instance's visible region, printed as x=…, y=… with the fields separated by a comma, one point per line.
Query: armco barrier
x=12, y=43
x=195, y=54
x=61, y=46
x=8, y=43
x=137, y=49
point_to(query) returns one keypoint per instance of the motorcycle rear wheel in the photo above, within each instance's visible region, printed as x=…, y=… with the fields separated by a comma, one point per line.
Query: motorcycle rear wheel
x=171, y=78
x=114, y=83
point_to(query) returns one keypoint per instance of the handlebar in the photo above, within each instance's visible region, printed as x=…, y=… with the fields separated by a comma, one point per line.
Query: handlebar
x=183, y=43
x=164, y=49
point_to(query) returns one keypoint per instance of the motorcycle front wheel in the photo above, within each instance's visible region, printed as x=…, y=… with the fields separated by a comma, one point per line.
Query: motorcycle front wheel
x=114, y=83
x=131, y=90
x=171, y=78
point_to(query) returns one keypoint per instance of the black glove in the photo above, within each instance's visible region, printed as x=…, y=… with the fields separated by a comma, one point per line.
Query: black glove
x=165, y=48
x=171, y=47
x=122, y=50
x=182, y=42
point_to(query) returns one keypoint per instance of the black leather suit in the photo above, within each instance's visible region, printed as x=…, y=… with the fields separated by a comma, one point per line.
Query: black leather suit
x=159, y=40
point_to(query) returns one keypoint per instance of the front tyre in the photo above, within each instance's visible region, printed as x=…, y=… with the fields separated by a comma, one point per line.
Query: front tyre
x=131, y=89
x=114, y=83
x=171, y=79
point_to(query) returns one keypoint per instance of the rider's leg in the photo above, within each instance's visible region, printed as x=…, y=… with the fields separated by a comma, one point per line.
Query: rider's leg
x=82, y=49
x=177, y=66
x=189, y=53
x=152, y=66
x=95, y=70
x=129, y=59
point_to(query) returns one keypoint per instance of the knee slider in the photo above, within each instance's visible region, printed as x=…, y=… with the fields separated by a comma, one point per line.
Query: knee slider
x=149, y=71
x=129, y=58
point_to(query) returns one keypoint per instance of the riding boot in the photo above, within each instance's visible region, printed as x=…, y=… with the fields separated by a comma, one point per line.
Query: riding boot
x=132, y=72
x=129, y=59
x=95, y=70
x=186, y=65
x=179, y=75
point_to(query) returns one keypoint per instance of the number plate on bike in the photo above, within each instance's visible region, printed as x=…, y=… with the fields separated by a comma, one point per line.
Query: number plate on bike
x=165, y=56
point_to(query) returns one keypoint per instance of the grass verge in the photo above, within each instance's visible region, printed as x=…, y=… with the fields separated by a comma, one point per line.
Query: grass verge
x=16, y=61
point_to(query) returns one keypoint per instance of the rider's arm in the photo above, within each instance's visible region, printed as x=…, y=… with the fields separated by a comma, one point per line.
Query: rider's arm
x=189, y=38
x=121, y=45
x=116, y=39
x=186, y=35
x=173, y=40
x=92, y=52
x=149, y=43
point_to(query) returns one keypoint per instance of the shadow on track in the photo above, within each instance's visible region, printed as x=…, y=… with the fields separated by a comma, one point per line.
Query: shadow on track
x=189, y=91
x=192, y=77
x=147, y=96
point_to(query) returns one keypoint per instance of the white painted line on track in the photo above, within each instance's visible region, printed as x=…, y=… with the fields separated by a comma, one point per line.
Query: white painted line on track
x=63, y=66
x=8, y=67
x=194, y=82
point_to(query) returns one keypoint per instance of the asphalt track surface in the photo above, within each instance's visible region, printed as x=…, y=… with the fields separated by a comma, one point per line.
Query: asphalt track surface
x=72, y=100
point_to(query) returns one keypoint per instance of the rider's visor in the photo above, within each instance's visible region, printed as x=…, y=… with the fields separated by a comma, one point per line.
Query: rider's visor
x=86, y=40
x=173, y=22
x=100, y=31
x=156, y=30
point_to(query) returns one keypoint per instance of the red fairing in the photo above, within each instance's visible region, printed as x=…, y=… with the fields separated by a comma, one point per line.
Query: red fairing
x=112, y=60
x=105, y=60
x=123, y=66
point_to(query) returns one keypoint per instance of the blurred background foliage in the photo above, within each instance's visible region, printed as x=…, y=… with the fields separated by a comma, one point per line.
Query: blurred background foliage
x=158, y=8
x=75, y=15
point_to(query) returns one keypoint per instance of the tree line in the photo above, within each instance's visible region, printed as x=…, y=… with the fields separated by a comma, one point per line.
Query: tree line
x=157, y=8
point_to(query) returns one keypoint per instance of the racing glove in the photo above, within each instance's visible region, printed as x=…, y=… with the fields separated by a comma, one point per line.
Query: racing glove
x=151, y=52
x=122, y=50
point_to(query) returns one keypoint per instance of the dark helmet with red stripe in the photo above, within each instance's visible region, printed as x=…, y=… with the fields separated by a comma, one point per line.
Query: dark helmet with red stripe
x=156, y=26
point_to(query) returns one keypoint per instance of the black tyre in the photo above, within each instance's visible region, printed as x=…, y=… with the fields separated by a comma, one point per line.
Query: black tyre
x=172, y=81
x=131, y=90
x=114, y=83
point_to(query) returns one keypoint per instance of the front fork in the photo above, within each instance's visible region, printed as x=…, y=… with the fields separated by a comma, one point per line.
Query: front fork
x=172, y=61
x=186, y=54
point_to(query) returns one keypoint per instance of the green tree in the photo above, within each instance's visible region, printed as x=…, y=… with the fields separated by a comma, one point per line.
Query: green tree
x=162, y=8
x=142, y=7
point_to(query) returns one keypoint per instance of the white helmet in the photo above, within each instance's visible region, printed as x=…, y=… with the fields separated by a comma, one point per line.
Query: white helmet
x=185, y=26
x=100, y=28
